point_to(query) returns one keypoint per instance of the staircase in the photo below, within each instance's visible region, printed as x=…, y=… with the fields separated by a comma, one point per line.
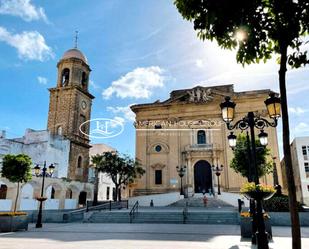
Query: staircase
x=216, y=212
x=198, y=202
x=166, y=216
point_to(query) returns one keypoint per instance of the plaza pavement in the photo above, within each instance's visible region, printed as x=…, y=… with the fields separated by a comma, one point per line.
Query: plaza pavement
x=139, y=236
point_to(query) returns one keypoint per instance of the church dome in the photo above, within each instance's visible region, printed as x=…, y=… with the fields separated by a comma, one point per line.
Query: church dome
x=74, y=53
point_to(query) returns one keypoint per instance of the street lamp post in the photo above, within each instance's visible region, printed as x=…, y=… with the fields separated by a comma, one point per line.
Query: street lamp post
x=44, y=173
x=181, y=172
x=218, y=171
x=252, y=121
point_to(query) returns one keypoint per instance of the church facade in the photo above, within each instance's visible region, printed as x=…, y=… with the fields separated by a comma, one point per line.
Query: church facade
x=187, y=130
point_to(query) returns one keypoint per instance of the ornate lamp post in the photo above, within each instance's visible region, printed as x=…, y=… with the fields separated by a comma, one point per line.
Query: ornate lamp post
x=181, y=172
x=44, y=173
x=252, y=121
x=218, y=171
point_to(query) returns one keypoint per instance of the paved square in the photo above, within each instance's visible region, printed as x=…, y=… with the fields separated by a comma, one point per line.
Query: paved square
x=139, y=236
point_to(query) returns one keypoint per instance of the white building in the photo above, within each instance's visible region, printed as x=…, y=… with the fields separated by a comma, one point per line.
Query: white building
x=40, y=146
x=106, y=186
x=300, y=162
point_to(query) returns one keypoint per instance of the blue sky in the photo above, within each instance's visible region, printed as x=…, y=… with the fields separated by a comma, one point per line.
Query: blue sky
x=143, y=47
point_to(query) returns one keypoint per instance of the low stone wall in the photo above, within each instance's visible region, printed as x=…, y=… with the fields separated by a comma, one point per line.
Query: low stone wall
x=283, y=218
x=49, y=216
x=159, y=200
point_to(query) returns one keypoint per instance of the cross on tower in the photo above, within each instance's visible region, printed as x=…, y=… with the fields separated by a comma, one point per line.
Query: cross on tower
x=76, y=38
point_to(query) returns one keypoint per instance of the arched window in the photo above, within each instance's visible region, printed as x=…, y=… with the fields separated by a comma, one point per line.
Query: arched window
x=3, y=191
x=79, y=162
x=201, y=137
x=52, y=194
x=84, y=79
x=59, y=130
x=65, y=76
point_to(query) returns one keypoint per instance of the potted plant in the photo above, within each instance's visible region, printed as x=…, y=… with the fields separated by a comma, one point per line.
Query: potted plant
x=257, y=191
x=246, y=224
x=13, y=221
x=17, y=169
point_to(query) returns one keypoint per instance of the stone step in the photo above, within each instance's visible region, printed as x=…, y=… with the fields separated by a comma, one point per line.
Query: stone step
x=166, y=217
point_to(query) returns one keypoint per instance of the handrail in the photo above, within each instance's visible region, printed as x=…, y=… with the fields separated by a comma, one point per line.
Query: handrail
x=185, y=213
x=133, y=211
x=109, y=205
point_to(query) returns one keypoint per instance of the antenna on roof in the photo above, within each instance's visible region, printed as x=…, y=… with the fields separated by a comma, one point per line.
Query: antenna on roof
x=76, y=38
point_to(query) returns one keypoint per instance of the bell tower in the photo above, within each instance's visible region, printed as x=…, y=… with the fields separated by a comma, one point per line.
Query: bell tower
x=69, y=107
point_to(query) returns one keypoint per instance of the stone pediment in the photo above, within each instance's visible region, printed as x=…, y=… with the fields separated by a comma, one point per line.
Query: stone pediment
x=197, y=94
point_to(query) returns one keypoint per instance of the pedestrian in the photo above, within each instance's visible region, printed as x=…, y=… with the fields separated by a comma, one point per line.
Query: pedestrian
x=205, y=200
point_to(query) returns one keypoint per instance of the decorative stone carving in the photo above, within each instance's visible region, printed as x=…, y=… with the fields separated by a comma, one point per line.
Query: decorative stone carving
x=158, y=166
x=200, y=95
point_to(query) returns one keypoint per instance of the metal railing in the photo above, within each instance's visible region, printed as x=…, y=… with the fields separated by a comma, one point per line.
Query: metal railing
x=185, y=213
x=78, y=214
x=134, y=211
x=109, y=205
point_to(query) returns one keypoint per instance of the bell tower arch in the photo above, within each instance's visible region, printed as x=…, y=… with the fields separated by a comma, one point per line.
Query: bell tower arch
x=69, y=107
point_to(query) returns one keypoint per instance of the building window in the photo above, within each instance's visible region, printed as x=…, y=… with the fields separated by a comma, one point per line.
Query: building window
x=158, y=148
x=84, y=79
x=158, y=177
x=79, y=162
x=201, y=137
x=3, y=191
x=107, y=193
x=307, y=169
x=52, y=194
x=82, y=120
x=305, y=150
x=65, y=77
x=59, y=130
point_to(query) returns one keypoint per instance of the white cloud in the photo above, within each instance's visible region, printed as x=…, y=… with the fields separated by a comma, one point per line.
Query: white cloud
x=297, y=110
x=138, y=83
x=125, y=110
x=94, y=85
x=301, y=128
x=23, y=9
x=42, y=80
x=199, y=63
x=118, y=119
x=30, y=45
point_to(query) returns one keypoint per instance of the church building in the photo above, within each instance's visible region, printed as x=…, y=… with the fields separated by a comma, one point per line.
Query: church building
x=187, y=130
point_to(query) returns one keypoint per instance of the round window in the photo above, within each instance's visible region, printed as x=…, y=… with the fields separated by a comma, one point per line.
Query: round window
x=158, y=148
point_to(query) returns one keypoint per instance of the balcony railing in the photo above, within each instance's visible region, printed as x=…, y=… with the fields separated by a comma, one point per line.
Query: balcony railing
x=199, y=147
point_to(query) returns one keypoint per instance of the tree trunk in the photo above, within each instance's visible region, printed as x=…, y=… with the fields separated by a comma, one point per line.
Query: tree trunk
x=296, y=242
x=116, y=192
x=17, y=194
x=96, y=187
x=119, y=194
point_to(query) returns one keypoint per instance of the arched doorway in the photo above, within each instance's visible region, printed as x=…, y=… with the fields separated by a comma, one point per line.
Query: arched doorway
x=82, y=198
x=3, y=191
x=202, y=177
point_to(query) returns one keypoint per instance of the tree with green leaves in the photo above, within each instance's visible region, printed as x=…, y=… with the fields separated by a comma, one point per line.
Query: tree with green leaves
x=257, y=30
x=17, y=169
x=122, y=169
x=241, y=160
